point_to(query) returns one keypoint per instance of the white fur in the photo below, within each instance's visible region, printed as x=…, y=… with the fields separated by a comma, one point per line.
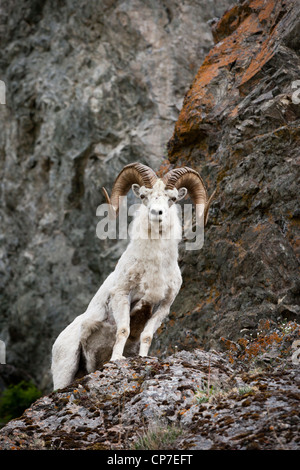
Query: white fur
x=147, y=276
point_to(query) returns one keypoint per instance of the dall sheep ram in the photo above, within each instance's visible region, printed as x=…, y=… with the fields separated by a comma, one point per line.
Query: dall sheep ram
x=135, y=298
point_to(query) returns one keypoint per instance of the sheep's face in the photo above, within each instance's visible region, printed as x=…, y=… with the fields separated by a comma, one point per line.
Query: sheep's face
x=158, y=202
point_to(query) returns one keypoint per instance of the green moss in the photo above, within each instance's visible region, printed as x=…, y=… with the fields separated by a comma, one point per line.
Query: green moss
x=158, y=437
x=16, y=398
x=245, y=390
x=98, y=446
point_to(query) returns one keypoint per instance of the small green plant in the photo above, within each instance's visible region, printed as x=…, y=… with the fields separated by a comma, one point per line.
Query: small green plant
x=158, y=437
x=244, y=390
x=16, y=398
x=203, y=395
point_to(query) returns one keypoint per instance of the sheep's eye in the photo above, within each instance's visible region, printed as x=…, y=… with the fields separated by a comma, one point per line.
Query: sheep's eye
x=142, y=196
x=173, y=199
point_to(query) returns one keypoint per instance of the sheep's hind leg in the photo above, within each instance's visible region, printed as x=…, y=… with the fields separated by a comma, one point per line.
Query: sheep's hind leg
x=121, y=312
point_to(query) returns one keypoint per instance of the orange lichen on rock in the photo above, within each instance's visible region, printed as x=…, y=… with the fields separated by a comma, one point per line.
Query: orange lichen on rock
x=268, y=337
x=247, y=36
x=164, y=168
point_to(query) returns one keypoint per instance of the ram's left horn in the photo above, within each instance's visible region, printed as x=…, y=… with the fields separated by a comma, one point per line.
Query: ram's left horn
x=192, y=181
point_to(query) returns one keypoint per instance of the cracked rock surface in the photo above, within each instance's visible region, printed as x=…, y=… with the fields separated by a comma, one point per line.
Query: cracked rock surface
x=113, y=408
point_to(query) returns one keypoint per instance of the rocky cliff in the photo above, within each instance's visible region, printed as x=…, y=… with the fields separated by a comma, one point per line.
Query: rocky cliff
x=90, y=86
x=239, y=126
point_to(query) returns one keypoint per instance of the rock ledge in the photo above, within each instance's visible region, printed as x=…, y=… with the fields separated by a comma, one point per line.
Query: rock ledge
x=213, y=404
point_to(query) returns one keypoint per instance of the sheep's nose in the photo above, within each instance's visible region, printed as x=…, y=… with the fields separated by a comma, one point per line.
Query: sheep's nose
x=156, y=212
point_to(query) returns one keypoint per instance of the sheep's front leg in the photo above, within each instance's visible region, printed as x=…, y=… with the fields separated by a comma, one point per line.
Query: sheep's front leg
x=121, y=312
x=151, y=326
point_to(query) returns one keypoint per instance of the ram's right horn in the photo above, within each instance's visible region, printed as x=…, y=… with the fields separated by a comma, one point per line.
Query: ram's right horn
x=132, y=173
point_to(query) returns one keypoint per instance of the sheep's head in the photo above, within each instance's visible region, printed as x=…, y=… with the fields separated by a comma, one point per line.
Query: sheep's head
x=159, y=194
x=157, y=201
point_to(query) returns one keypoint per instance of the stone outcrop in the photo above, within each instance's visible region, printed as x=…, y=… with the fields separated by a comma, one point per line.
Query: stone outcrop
x=239, y=126
x=191, y=400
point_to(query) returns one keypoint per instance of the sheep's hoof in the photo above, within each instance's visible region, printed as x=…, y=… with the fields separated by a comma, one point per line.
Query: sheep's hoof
x=117, y=357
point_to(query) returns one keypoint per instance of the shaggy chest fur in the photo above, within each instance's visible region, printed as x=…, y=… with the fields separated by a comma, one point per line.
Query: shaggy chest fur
x=151, y=277
x=150, y=285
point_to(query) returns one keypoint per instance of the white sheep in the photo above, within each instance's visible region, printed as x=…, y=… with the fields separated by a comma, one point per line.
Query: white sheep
x=135, y=298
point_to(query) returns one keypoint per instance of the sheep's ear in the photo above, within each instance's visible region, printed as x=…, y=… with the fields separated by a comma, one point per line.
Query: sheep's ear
x=136, y=189
x=182, y=192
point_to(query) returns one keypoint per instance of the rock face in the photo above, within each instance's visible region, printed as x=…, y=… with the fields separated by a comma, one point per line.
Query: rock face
x=239, y=126
x=90, y=87
x=195, y=400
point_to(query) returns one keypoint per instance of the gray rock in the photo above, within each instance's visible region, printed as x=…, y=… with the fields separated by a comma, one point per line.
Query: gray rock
x=201, y=400
x=239, y=126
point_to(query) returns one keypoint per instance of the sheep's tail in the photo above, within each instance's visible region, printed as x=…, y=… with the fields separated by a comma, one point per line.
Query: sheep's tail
x=66, y=355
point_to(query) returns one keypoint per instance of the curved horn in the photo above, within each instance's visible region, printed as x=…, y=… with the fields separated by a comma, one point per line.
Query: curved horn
x=132, y=173
x=192, y=181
